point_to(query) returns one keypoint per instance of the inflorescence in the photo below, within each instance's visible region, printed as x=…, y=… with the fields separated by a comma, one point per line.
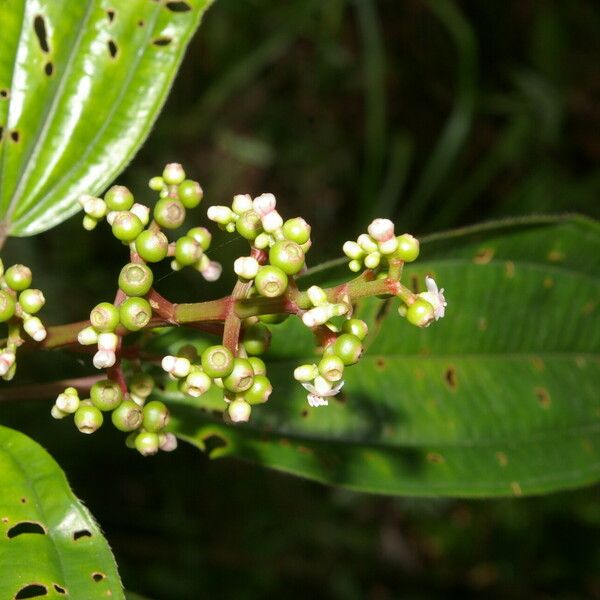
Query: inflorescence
x=266, y=293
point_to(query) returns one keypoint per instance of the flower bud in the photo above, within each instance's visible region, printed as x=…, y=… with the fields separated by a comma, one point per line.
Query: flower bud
x=355, y=266
x=241, y=203
x=389, y=246
x=263, y=240
x=246, y=267
x=141, y=212
x=264, y=204
x=353, y=250
x=33, y=326
x=7, y=360
x=212, y=271
x=177, y=366
x=220, y=214
x=167, y=442
x=94, y=207
x=57, y=413
x=156, y=184
x=305, y=373
x=367, y=243
x=381, y=230
x=372, y=260
x=89, y=223
x=87, y=336
x=322, y=386
x=239, y=411
x=316, y=295
x=104, y=359
x=272, y=221
x=68, y=402
x=108, y=341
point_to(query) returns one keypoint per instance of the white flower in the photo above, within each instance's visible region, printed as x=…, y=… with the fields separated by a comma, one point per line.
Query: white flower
x=141, y=212
x=319, y=397
x=435, y=297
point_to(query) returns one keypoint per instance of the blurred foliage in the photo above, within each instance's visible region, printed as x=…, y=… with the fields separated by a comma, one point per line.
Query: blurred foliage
x=437, y=113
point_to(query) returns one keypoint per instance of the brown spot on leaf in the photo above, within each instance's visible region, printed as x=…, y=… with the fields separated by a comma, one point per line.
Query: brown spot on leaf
x=543, y=397
x=434, y=457
x=178, y=6
x=3, y=93
x=581, y=362
x=538, y=364
x=15, y=136
x=555, y=256
x=59, y=589
x=450, y=377
x=80, y=533
x=548, y=282
x=97, y=576
x=39, y=26
x=502, y=459
x=26, y=527
x=304, y=413
x=588, y=308
x=284, y=442
x=380, y=363
x=482, y=323
x=162, y=41
x=49, y=68
x=32, y=590
x=305, y=450
x=483, y=256
x=414, y=283
x=509, y=268
x=516, y=488
x=111, y=15
x=113, y=49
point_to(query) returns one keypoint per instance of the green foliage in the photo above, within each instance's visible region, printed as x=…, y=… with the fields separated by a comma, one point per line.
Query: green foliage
x=48, y=539
x=80, y=86
x=499, y=398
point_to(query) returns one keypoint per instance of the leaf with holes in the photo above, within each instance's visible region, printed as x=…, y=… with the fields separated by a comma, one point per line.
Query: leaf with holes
x=498, y=398
x=80, y=85
x=50, y=545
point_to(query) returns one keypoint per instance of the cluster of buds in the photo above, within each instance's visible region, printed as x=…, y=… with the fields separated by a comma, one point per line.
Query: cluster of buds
x=144, y=421
x=243, y=380
x=374, y=249
x=130, y=221
x=19, y=303
x=134, y=313
x=284, y=243
x=325, y=379
x=323, y=310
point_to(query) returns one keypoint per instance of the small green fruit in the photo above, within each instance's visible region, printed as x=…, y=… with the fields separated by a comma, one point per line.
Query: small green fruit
x=348, y=347
x=136, y=279
x=420, y=313
x=127, y=416
x=288, y=256
x=156, y=416
x=7, y=306
x=356, y=327
x=249, y=225
x=256, y=339
x=187, y=251
x=190, y=193
x=127, y=226
x=258, y=365
x=241, y=377
x=88, y=419
x=331, y=367
x=118, y=197
x=106, y=395
x=408, y=248
x=173, y=174
x=169, y=213
x=152, y=246
x=202, y=236
x=147, y=443
x=297, y=230
x=105, y=317
x=271, y=281
x=31, y=300
x=260, y=390
x=135, y=313
x=217, y=361
x=18, y=277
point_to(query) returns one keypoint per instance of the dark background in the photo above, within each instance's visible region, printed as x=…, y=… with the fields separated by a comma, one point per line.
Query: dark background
x=435, y=113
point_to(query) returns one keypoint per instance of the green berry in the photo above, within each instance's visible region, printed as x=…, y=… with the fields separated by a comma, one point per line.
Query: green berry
x=420, y=313
x=288, y=256
x=256, y=338
x=348, y=348
x=249, y=225
x=135, y=313
x=271, y=281
x=156, y=416
x=408, y=247
x=118, y=198
x=89, y=223
x=260, y=390
x=7, y=306
x=258, y=365
x=136, y=279
x=331, y=367
x=106, y=395
x=241, y=377
x=141, y=385
x=196, y=383
x=127, y=416
x=202, y=236
x=190, y=193
x=152, y=246
x=146, y=443
x=31, y=300
x=169, y=213
x=127, y=226
x=217, y=361
x=273, y=319
x=88, y=419
x=297, y=230
x=356, y=327
x=173, y=174
x=187, y=251
x=105, y=317
x=18, y=277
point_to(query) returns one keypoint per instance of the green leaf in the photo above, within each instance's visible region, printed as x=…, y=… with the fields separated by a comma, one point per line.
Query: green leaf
x=80, y=85
x=498, y=398
x=49, y=542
